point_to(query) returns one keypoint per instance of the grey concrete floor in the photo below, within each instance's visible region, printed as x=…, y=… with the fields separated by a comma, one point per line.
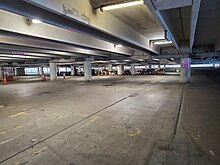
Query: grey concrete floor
x=119, y=120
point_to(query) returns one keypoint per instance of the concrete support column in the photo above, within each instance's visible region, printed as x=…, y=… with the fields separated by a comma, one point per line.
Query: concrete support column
x=73, y=70
x=120, y=69
x=88, y=70
x=0, y=71
x=41, y=70
x=15, y=71
x=110, y=68
x=53, y=71
x=185, y=70
x=132, y=69
x=146, y=66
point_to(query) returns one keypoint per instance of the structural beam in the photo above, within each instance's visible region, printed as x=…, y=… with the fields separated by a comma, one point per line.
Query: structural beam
x=100, y=25
x=194, y=19
x=161, y=21
x=171, y=4
x=18, y=25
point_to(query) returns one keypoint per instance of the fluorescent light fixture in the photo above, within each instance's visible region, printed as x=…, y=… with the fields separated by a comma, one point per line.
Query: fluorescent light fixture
x=36, y=21
x=160, y=42
x=121, y=5
x=119, y=46
x=113, y=60
x=127, y=60
x=156, y=59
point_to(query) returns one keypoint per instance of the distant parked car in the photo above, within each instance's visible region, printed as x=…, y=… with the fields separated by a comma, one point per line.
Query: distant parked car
x=127, y=72
x=159, y=72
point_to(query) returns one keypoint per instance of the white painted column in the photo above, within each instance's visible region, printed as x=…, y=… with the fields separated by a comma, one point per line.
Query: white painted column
x=132, y=69
x=41, y=70
x=159, y=66
x=15, y=71
x=120, y=69
x=110, y=68
x=53, y=71
x=185, y=70
x=88, y=70
x=73, y=70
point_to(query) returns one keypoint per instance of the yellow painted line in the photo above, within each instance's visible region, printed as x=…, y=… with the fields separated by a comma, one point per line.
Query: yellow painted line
x=17, y=114
x=8, y=140
x=1, y=133
x=90, y=122
x=40, y=150
x=136, y=133
x=5, y=131
x=79, y=114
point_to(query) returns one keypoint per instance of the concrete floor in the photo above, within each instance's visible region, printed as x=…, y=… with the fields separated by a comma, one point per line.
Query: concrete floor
x=120, y=120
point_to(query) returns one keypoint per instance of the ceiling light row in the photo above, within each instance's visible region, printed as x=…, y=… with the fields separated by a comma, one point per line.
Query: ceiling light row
x=121, y=5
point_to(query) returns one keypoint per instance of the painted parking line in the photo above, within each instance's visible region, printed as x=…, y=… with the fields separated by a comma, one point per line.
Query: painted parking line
x=17, y=114
x=8, y=140
x=6, y=131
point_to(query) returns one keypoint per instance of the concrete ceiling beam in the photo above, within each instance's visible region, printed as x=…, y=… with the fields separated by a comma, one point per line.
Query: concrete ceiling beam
x=171, y=4
x=194, y=19
x=19, y=25
x=87, y=21
x=162, y=22
x=23, y=43
x=22, y=56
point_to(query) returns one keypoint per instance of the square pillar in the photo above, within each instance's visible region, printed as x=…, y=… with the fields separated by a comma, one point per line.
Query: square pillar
x=53, y=71
x=41, y=70
x=132, y=69
x=185, y=70
x=73, y=70
x=88, y=70
x=120, y=69
x=110, y=68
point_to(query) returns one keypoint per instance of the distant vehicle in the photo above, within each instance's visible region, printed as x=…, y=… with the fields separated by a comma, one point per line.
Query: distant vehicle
x=127, y=72
x=158, y=72
x=149, y=71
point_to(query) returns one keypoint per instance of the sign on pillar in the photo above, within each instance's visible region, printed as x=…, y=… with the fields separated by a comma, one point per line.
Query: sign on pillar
x=185, y=70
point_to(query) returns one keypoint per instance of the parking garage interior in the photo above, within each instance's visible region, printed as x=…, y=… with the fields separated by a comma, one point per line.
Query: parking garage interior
x=109, y=82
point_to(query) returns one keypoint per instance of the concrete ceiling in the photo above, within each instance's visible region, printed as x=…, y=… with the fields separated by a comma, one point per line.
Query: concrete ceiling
x=138, y=17
x=179, y=19
x=208, y=27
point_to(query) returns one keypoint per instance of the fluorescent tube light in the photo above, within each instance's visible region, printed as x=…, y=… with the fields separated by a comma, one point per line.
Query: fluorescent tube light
x=161, y=42
x=119, y=46
x=121, y=5
x=36, y=21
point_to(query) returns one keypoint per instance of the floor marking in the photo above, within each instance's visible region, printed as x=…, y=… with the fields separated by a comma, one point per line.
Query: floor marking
x=90, y=122
x=136, y=133
x=62, y=130
x=6, y=141
x=1, y=133
x=17, y=114
x=40, y=150
x=16, y=127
